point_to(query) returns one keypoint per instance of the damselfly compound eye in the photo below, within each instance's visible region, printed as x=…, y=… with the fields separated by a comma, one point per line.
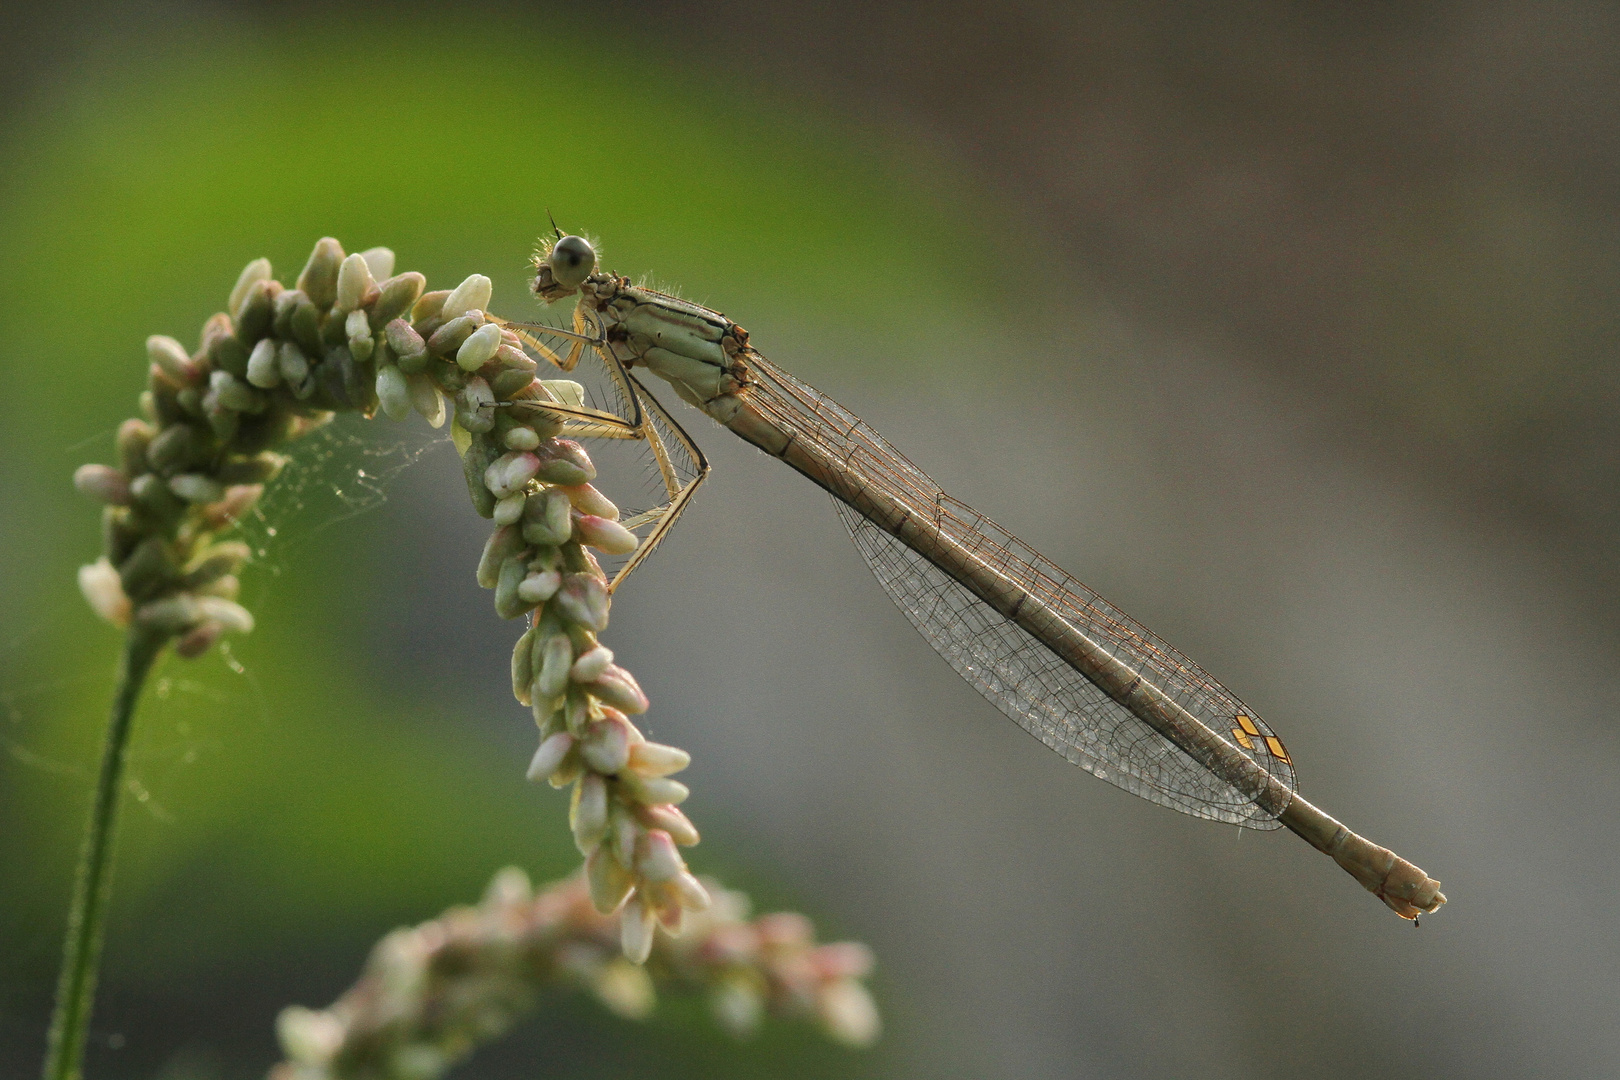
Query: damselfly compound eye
x=572, y=259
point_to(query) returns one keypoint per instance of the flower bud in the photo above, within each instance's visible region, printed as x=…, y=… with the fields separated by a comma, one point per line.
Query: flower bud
x=671, y=820
x=522, y=668
x=425, y=398
x=539, y=586
x=609, y=881
x=395, y=297
x=509, y=472
x=636, y=924
x=509, y=382
x=102, y=482
x=848, y=1014
x=656, y=857
x=545, y=518
x=318, y=279
x=409, y=348
x=198, y=640
x=472, y=294
x=654, y=791
x=604, y=535
x=617, y=687
x=842, y=960
x=168, y=615
x=625, y=989
x=479, y=347
x=104, y=592
x=502, y=543
x=258, y=312
x=688, y=892
x=584, y=600
x=360, y=342
x=263, y=370
x=588, y=812
x=448, y=338
x=590, y=665
x=784, y=928
x=564, y=461
x=656, y=759
x=393, y=392
x=238, y=500
x=508, y=605
x=510, y=509
x=475, y=406
x=254, y=272
x=197, y=488
x=171, y=357
x=521, y=438
x=551, y=672
x=134, y=436
x=355, y=285
x=549, y=758
x=294, y=368
x=736, y=1006
x=220, y=559
x=380, y=260
x=235, y=394
x=587, y=500
x=605, y=746
x=429, y=305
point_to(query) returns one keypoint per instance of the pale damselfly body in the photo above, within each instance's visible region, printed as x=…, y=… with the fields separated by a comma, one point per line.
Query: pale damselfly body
x=1070, y=668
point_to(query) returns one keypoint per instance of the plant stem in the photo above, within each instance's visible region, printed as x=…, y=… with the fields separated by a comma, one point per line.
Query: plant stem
x=81, y=952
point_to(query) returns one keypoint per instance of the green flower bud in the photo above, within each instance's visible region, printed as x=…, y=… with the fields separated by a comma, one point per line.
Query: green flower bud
x=189, y=398
x=409, y=348
x=521, y=438
x=507, y=510
x=546, y=519
x=230, y=355
x=583, y=599
x=150, y=495
x=429, y=305
x=539, y=586
x=447, y=339
x=218, y=326
x=148, y=570
x=294, y=368
x=174, y=448
x=133, y=438
x=254, y=273
x=305, y=326
x=474, y=463
x=507, y=603
x=588, y=500
x=233, y=393
x=258, y=312
x=270, y=428
x=522, y=669
x=509, y=382
x=318, y=279
x=564, y=461
x=551, y=672
x=286, y=303
x=395, y=297
x=503, y=543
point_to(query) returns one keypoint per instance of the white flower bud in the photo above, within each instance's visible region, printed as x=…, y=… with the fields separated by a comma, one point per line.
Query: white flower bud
x=550, y=756
x=609, y=881
x=471, y=295
x=848, y=1013
x=393, y=392
x=656, y=759
x=102, y=482
x=636, y=923
x=588, y=814
x=479, y=348
x=309, y=1037
x=104, y=592
x=170, y=356
x=380, y=260
x=590, y=665
x=262, y=369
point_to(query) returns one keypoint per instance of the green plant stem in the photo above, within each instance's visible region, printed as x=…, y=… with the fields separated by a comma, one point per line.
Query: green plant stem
x=81, y=952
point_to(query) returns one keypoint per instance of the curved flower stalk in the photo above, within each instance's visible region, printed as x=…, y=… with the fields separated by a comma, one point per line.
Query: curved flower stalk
x=432, y=993
x=352, y=336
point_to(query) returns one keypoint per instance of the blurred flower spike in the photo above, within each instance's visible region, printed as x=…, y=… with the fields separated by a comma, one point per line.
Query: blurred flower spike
x=430, y=994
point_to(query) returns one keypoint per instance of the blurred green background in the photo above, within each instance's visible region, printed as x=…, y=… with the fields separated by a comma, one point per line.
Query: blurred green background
x=1289, y=328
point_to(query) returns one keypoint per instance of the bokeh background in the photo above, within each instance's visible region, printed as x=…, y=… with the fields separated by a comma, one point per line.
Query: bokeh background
x=1292, y=328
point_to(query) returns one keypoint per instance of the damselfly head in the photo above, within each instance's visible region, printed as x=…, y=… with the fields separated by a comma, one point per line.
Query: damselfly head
x=562, y=267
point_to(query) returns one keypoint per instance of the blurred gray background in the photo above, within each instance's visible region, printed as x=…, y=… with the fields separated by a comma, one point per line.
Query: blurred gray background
x=1290, y=328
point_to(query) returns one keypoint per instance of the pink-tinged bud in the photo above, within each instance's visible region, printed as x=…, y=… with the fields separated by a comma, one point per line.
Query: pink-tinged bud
x=636, y=923
x=472, y=294
x=104, y=591
x=549, y=758
x=689, y=892
x=238, y=500
x=588, y=814
x=784, y=928
x=848, y=1013
x=656, y=759
x=604, y=535
x=591, y=664
x=509, y=472
x=735, y=943
x=565, y=462
x=587, y=500
x=842, y=960
x=671, y=820
x=171, y=358
x=609, y=881
x=198, y=640
x=102, y=482
x=606, y=746
x=617, y=687
x=654, y=791
x=584, y=600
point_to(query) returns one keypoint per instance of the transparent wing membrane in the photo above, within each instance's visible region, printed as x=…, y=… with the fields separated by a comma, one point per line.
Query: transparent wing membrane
x=1015, y=671
x=646, y=450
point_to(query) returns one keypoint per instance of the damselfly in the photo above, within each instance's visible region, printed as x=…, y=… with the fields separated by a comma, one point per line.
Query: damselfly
x=1073, y=670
